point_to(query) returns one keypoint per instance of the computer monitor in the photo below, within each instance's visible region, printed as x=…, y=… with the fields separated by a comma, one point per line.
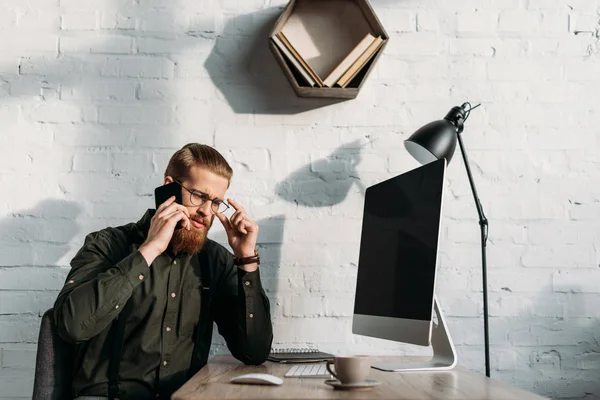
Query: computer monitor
x=395, y=288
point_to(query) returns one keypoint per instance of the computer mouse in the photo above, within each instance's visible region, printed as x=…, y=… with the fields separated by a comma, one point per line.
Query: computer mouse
x=257, y=379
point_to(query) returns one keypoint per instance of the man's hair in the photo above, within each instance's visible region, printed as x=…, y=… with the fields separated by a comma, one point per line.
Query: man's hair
x=200, y=155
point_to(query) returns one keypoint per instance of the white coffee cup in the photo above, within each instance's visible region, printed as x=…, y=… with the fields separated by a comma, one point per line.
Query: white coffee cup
x=350, y=369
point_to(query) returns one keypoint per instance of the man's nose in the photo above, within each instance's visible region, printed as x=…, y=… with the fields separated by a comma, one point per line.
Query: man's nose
x=205, y=209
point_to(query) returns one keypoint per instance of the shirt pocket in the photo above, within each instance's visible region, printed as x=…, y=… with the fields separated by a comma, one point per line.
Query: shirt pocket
x=191, y=302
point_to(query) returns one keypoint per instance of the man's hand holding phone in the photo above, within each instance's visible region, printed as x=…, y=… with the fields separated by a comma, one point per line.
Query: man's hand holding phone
x=162, y=226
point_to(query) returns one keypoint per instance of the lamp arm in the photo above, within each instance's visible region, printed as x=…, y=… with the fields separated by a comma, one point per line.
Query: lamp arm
x=482, y=218
x=483, y=224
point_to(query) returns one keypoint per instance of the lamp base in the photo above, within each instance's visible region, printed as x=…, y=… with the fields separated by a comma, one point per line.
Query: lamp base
x=444, y=354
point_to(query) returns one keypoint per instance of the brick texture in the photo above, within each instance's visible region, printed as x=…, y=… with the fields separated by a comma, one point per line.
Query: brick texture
x=95, y=95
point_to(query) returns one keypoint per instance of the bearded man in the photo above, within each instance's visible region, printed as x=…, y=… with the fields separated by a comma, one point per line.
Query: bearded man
x=140, y=300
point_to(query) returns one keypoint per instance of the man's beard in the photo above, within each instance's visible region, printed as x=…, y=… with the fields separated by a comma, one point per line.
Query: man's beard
x=192, y=241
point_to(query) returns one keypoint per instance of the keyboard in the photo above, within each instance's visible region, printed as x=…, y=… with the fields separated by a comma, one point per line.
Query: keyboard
x=308, y=371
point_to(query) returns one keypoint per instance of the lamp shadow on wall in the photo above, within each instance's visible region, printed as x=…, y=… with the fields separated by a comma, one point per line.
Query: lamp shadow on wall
x=246, y=74
x=39, y=236
x=325, y=182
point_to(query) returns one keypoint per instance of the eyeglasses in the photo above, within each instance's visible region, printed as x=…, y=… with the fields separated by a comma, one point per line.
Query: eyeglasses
x=198, y=198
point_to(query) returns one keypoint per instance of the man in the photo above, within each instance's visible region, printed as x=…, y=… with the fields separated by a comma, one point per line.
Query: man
x=146, y=294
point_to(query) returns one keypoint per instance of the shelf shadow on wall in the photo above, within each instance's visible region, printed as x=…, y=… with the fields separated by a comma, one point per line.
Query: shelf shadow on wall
x=244, y=70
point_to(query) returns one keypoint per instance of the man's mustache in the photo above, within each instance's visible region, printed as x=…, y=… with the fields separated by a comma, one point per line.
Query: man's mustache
x=201, y=220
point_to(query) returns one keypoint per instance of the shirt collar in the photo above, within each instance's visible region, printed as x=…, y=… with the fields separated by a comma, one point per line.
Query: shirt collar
x=144, y=223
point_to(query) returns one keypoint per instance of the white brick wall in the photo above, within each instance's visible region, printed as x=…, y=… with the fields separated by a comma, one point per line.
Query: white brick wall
x=95, y=95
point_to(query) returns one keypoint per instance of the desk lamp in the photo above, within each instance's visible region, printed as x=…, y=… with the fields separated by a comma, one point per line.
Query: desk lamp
x=438, y=140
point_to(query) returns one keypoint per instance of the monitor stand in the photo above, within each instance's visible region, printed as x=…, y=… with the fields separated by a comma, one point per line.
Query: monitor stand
x=444, y=355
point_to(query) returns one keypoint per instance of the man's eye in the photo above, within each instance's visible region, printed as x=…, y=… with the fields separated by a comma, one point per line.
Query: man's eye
x=217, y=202
x=200, y=196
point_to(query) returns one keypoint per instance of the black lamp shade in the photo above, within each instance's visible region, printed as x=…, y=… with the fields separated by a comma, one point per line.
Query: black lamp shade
x=433, y=141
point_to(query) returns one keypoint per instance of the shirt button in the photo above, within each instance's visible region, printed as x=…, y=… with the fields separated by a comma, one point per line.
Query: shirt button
x=173, y=294
x=117, y=307
x=168, y=329
x=174, y=262
x=247, y=283
x=141, y=277
x=250, y=315
x=165, y=363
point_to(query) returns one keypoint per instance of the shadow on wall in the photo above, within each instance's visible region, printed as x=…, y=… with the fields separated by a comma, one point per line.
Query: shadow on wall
x=578, y=358
x=246, y=73
x=113, y=115
x=39, y=236
x=325, y=182
x=548, y=354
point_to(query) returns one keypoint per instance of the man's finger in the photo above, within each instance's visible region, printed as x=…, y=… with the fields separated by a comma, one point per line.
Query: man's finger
x=168, y=211
x=235, y=205
x=185, y=219
x=240, y=226
x=183, y=208
x=173, y=207
x=225, y=222
x=177, y=214
x=249, y=224
x=180, y=216
x=188, y=223
x=237, y=217
x=165, y=204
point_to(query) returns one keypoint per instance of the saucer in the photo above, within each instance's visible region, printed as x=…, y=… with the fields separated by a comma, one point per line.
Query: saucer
x=368, y=384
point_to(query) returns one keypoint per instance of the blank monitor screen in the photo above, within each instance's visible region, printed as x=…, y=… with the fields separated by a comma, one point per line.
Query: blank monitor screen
x=398, y=249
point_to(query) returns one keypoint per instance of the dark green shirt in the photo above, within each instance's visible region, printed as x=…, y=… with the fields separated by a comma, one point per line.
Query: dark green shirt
x=169, y=309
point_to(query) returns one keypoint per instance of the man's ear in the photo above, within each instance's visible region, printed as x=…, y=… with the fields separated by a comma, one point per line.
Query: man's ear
x=167, y=180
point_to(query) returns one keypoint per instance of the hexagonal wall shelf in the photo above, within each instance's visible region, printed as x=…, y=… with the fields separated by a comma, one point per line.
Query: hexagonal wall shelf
x=321, y=33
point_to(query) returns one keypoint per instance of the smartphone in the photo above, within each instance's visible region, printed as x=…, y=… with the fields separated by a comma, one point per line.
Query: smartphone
x=162, y=193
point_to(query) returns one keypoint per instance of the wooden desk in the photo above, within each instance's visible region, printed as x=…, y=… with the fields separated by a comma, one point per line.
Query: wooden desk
x=212, y=382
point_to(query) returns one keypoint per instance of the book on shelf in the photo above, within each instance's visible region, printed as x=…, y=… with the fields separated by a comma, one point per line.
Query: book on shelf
x=358, y=65
x=326, y=43
x=349, y=60
x=299, y=58
x=288, y=54
x=343, y=73
x=323, y=32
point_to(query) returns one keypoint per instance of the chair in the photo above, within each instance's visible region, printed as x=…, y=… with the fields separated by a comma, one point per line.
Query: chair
x=53, y=363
